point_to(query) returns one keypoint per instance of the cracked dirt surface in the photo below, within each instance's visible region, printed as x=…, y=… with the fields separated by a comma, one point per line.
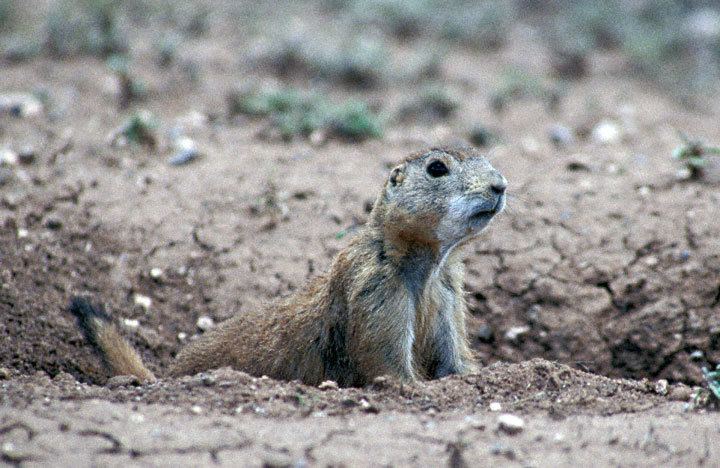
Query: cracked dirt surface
x=603, y=267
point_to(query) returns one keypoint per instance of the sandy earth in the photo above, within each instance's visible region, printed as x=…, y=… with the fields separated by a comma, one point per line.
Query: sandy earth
x=604, y=267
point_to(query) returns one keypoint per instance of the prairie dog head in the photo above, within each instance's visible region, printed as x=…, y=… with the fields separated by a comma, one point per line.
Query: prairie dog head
x=441, y=197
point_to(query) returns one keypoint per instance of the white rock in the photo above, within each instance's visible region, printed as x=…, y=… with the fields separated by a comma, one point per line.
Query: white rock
x=510, y=424
x=8, y=157
x=495, y=407
x=606, y=132
x=195, y=409
x=131, y=323
x=143, y=301
x=661, y=387
x=22, y=233
x=156, y=273
x=328, y=385
x=516, y=332
x=182, y=336
x=205, y=323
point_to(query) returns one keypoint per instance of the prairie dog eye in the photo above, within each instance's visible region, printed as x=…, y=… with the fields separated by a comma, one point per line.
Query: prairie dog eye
x=437, y=169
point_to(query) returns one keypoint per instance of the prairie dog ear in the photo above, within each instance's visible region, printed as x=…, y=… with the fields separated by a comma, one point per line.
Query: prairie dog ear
x=397, y=175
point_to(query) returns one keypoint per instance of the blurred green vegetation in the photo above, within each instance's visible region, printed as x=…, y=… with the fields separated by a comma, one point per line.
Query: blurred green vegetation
x=293, y=113
x=355, y=43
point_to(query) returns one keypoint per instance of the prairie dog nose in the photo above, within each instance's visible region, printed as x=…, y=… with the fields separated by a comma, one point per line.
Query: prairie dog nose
x=498, y=184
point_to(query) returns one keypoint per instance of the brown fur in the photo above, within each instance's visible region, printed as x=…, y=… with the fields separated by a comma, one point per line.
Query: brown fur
x=392, y=302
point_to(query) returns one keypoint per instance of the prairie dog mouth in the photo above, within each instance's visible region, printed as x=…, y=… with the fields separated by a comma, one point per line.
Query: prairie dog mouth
x=485, y=211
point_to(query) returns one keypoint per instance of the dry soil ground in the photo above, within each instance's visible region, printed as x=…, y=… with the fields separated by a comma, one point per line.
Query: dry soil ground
x=603, y=268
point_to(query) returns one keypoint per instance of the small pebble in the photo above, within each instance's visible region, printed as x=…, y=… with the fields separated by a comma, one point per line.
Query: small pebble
x=516, y=332
x=328, y=385
x=697, y=355
x=510, y=424
x=182, y=336
x=130, y=323
x=205, y=323
x=561, y=136
x=661, y=387
x=143, y=301
x=606, y=132
x=495, y=406
x=185, y=151
x=8, y=157
x=195, y=409
x=503, y=450
x=156, y=273
x=644, y=191
x=22, y=233
x=4, y=373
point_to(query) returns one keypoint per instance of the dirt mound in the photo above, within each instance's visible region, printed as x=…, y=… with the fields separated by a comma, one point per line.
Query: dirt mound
x=43, y=267
x=528, y=387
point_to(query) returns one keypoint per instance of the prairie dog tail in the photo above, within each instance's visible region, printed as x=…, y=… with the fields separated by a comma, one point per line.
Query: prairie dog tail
x=116, y=353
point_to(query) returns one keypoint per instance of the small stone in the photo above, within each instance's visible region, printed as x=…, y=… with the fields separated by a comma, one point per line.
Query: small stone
x=12, y=455
x=510, y=424
x=503, y=450
x=328, y=385
x=367, y=407
x=196, y=409
x=132, y=324
x=4, y=373
x=185, y=151
x=143, y=301
x=561, y=136
x=661, y=387
x=205, y=323
x=208, y=380
x=318, y=137
x=606, y=132
x=651, y=261
x=697, y=355
x=122, y=381
x=22, y=233
x=8, y=157
x=514, y=333
x=495, y=406
x=182, y=336
x=644, y=190
x=137, y=418
x=156, y=273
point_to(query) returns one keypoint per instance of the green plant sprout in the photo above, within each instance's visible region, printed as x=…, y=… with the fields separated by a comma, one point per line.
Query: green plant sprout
x=693, y=154
x=140, y=129
x=713, y=380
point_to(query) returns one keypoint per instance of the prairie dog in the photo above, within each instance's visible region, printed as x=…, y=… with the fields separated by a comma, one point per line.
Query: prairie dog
x=391, y=304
